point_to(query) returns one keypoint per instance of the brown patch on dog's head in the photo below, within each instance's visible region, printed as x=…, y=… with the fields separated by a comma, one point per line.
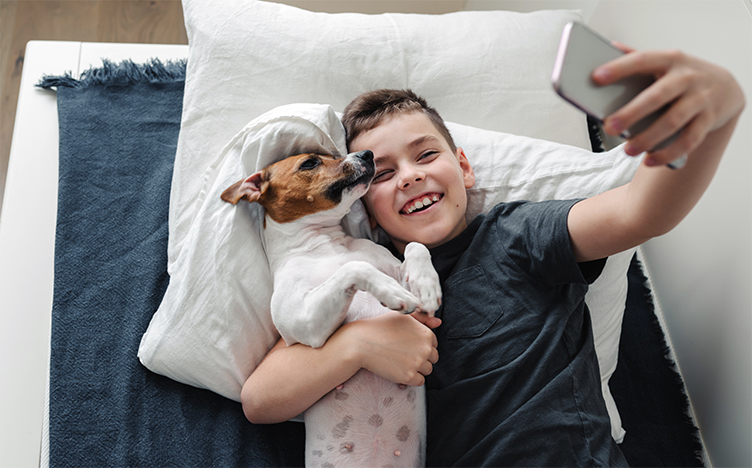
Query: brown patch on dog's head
x=294, y=187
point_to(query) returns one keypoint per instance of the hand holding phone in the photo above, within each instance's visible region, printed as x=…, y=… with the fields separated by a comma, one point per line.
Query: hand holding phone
x=581, y=51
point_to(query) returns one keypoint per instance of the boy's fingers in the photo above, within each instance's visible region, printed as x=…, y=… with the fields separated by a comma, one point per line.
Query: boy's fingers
x=430, y=322
x=426, y=369
x=623, y=47
x=652, y=99
x=434, y=358
x=425, y=319
x=417, y=380
x=689, y=140
x=635, y=63
x=679, y=114
x=663, y=92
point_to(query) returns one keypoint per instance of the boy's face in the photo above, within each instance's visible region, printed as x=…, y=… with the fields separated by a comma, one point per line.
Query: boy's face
x=418, y=193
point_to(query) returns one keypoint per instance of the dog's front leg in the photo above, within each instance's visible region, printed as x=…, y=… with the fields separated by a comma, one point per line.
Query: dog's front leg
x=421, y=277
x=323, y=308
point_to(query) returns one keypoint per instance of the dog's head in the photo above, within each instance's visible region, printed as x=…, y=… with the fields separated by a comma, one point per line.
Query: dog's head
x=306, y=184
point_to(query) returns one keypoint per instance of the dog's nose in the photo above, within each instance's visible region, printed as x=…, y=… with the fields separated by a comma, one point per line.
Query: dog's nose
x=365, y=155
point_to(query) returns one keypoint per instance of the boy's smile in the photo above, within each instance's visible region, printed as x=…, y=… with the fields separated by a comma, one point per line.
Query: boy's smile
x=421, y=203
x=418, y=192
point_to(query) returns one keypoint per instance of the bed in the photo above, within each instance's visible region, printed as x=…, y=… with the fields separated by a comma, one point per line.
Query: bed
x=178, y=423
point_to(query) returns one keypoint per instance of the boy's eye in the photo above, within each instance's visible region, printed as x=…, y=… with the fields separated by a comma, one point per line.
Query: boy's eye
x=428, y=155
x=382, y=175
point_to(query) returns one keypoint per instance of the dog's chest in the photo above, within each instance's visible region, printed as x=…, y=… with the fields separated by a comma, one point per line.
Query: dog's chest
x=327, y=253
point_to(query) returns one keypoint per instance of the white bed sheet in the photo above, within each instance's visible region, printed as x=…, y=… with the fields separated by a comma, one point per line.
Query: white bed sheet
x=27, y=240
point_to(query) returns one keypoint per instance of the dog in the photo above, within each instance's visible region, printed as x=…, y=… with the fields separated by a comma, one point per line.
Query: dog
x=324, y=278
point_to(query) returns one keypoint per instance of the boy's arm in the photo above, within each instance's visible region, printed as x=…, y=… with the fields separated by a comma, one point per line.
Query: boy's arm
x=290, y=379
x=707, y=101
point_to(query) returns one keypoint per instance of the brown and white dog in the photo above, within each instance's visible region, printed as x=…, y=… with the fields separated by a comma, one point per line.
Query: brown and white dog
x=324, y=278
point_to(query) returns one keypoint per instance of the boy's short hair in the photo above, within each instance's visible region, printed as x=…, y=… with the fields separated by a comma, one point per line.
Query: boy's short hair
x=369, y=109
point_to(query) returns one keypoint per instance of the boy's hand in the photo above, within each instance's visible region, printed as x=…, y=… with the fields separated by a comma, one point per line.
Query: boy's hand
x=705, y=101
x=428, y=320
x=703, y=98
x=397, y=347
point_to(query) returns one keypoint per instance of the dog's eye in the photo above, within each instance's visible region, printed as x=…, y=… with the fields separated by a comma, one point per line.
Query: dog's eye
x=309, y=164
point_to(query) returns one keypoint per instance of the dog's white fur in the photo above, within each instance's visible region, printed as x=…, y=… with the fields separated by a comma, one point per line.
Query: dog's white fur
x=324, y=278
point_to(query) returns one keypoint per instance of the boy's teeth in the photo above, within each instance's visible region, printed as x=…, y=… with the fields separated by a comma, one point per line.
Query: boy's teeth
x=422, y=203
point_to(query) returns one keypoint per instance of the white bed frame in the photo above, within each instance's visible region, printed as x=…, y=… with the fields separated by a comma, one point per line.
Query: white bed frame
x=702, y=271
x=27, y=240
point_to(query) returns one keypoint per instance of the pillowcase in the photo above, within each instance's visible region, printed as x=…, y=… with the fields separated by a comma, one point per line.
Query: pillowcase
x=488, y=70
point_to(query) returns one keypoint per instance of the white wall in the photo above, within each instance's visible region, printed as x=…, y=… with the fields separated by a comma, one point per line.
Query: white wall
x=378, y=6
x=586, y=6
x=702, y=271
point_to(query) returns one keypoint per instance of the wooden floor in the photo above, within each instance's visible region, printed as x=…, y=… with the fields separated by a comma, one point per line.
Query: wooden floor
x=133, y=21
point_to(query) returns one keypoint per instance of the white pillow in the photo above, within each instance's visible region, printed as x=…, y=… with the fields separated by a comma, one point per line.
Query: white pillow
x=486, y=69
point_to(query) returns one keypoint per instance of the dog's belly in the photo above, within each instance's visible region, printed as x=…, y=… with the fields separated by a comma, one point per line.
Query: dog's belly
x=368, y=422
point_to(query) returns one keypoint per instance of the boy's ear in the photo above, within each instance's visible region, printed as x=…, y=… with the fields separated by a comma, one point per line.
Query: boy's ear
x=250, y=189
x=468, y=175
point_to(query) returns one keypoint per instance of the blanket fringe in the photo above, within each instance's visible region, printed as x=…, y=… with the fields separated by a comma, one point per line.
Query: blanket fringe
x=694, y=433
x=123, y=74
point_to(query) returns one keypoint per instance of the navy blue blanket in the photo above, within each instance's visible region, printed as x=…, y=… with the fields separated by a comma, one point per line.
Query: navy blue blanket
x=117, y=145
x=118, y=134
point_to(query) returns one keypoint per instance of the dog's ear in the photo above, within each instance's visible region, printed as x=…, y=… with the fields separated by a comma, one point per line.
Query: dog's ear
x=250, y=189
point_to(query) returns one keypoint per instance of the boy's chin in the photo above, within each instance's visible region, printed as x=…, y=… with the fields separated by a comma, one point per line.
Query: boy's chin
x=401, y=244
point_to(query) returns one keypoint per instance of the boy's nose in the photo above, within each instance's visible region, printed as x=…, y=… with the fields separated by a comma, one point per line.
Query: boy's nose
x=410, y=177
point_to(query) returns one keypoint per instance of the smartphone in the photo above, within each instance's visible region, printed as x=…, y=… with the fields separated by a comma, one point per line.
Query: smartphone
x=581, y=51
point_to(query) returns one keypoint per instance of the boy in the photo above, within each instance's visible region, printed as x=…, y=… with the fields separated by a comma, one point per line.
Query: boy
x=518, y=382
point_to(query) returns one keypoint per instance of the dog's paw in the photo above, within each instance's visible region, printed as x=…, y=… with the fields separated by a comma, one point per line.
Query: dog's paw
x=395, y=297
x=428, y=292
x=426, y=287
x=421, y=277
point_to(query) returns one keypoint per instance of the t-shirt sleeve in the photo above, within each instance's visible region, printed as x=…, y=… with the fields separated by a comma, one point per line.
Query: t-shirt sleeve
x=535, y=237
x=592, y=270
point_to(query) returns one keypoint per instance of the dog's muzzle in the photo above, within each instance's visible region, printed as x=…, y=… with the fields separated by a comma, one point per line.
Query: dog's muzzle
x=359, y=170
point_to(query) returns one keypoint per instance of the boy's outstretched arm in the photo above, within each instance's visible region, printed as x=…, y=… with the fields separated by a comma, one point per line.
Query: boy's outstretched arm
x=706, y=101
x=290, y=379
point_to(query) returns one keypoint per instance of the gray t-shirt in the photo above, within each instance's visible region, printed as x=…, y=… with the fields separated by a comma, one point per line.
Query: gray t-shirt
x=517, y=382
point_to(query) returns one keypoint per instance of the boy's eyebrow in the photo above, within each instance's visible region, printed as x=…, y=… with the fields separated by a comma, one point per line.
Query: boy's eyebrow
x=420, y=140
x=417, y=142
